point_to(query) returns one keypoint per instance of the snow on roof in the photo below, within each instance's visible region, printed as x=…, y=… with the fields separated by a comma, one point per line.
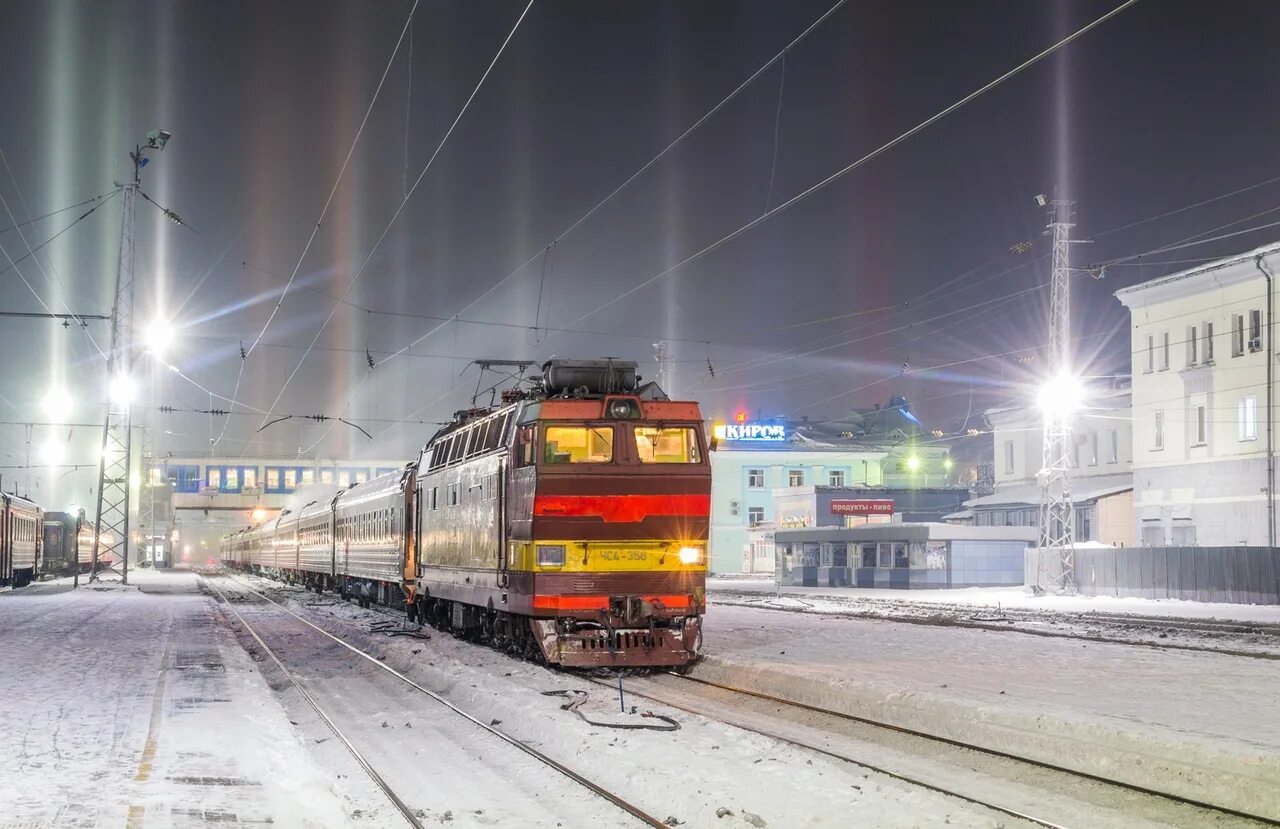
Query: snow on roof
x=1082, y=489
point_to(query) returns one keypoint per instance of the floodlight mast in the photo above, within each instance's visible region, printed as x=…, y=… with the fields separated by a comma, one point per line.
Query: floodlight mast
x=1060, y=399
x=111, y=526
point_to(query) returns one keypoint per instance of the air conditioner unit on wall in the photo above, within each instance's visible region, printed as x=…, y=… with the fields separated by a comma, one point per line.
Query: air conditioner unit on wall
x=734, y=507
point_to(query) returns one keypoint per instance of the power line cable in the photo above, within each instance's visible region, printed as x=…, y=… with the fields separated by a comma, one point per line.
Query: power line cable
x=439, y=147
x=51, y=213
x=333, y=190
x=931, y=120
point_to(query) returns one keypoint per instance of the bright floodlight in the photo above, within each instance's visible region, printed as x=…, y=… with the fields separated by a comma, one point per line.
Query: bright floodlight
x=1061, y=396
x=259, y=514
x=913, y=463
x=159, y=336
x=122, y=389
x=56, y=403
x=52, y=453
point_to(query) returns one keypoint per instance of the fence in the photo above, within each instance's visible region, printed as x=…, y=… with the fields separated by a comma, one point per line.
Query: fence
x=1243, y=575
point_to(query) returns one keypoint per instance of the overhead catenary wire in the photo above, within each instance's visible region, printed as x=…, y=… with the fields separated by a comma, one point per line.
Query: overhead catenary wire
x=51, y=213
x=615, y=192
x=882, y=149
x=338, y=180
x=377, y=244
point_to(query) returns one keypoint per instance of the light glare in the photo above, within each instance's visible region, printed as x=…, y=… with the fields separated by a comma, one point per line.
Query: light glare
x=122, y=389
x=159, y=336
x=690, y=555
x=1061, y=395
x=56, y=403
x=52, y=452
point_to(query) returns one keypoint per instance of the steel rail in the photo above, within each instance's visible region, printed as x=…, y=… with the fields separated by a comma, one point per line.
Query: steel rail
x=595, y=788
x=935, y=619
x=400, y=805
x=905, y=778
x=1200, y=804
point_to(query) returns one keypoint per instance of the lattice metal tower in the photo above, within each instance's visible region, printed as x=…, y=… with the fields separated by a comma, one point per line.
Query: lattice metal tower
x=1057, y=511
x=111, y=541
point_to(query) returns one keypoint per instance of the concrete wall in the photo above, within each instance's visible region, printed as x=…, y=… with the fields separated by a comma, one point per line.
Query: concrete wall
x=986, y=563
x=1114, y=517
x=1223, y=500
x=1248, y=575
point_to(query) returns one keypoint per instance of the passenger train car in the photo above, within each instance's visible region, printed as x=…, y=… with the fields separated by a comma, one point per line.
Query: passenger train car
x=569, y=523
x=68, y=544
x=21, y=531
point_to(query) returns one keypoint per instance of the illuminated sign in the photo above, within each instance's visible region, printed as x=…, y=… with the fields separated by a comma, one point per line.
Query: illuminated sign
x=750, y=432
x=861, y=507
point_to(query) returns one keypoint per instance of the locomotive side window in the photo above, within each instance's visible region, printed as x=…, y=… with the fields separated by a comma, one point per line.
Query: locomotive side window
x=668, y=444
x=579, y=444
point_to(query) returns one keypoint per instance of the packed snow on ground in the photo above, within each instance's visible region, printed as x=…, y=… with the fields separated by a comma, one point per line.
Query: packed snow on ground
x=707, y=774
x=1011, y=597
x=122, y=707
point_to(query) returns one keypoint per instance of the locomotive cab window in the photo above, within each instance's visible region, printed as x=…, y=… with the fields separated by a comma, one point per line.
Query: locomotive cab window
x=578, y=444
x=667, y=444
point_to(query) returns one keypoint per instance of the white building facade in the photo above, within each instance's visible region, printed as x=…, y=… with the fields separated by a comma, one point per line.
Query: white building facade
x=1101, y=476
x=1204, y=399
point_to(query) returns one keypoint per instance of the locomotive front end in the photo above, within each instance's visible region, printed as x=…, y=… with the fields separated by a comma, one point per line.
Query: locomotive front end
x=618, y=491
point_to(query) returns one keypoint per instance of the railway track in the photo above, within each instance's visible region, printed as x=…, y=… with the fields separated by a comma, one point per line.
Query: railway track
x=1104, y=792
x=1092, y=625
x=409, y=815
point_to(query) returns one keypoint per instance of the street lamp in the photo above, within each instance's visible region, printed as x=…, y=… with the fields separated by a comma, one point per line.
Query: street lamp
x=52, y=452
x=121, y=389
x=158, y=336
x=1061, y=396
x=56, y=403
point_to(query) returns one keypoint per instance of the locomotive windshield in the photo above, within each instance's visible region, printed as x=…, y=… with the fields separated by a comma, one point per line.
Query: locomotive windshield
x=667, y=444
x=579, y=444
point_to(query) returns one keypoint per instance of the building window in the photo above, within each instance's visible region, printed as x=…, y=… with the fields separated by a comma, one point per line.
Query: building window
x=1158, y=438
x=326, y=476
x=1164, y=351
x=185, y=477
x=1193, y=341
x=290, y=479
x=755, y=479
x=900, y=557
x=1151, y=353
x=1152, y=534
x=1237, y=335
x=1008, y=457
x=213, y=477
x=1255, y=330
x=1115, y=446
x=1200, y=429
x=755, y=516
x=250, y=479
x=1207, y=355
x=836, y=477
x=273, y=479
x=885, y=555
x=795, y=477
x=868, y=555
x=1084, y=524
x=453, y=495
x=1093, y=448
x=1184, y=533
x=1248, y=413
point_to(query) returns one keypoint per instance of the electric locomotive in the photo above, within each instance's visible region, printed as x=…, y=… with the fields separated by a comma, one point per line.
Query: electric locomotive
x=570, y=523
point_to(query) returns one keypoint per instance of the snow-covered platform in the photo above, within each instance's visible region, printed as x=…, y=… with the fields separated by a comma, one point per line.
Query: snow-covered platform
x=1196, y=724
x=130, y=706
x=1006, y=597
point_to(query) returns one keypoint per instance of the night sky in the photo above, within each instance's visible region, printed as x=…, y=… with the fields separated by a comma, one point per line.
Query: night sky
x=1165, y=105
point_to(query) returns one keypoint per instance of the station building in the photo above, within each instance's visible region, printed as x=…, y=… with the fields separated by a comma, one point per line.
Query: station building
x=194, y=501
x=882, y=451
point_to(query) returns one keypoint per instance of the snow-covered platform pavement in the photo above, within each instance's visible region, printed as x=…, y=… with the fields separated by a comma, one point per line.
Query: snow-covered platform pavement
x=130, y=706
x=1194, y=723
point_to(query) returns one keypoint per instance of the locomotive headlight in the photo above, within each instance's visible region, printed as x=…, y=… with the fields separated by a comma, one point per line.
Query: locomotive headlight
x=622, y=408
x=550, y=555
x=690, y=555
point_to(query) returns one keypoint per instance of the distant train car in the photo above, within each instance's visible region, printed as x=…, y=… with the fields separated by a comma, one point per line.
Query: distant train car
x=60, y=553
x=21, y=539
x=569, y=523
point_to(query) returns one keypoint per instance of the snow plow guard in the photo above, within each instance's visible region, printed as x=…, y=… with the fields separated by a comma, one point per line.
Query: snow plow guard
x=632, y=647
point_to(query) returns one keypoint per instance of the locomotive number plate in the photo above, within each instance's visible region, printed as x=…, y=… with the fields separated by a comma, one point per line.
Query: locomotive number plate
x=624, y=555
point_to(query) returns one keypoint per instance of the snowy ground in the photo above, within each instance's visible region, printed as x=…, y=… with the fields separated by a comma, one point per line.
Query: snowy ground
x=1238, y=629
x=1206, y=721
x=144, y=707
x=1009, y=597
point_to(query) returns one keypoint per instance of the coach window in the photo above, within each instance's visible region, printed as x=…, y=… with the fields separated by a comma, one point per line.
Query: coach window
x=579, y=444
x=213, y=477
x=344, y=478
x=249, y=476
x=290, y=479
x=326, y=476
x=273, y=479
x=308, y=477
x=670, y=444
